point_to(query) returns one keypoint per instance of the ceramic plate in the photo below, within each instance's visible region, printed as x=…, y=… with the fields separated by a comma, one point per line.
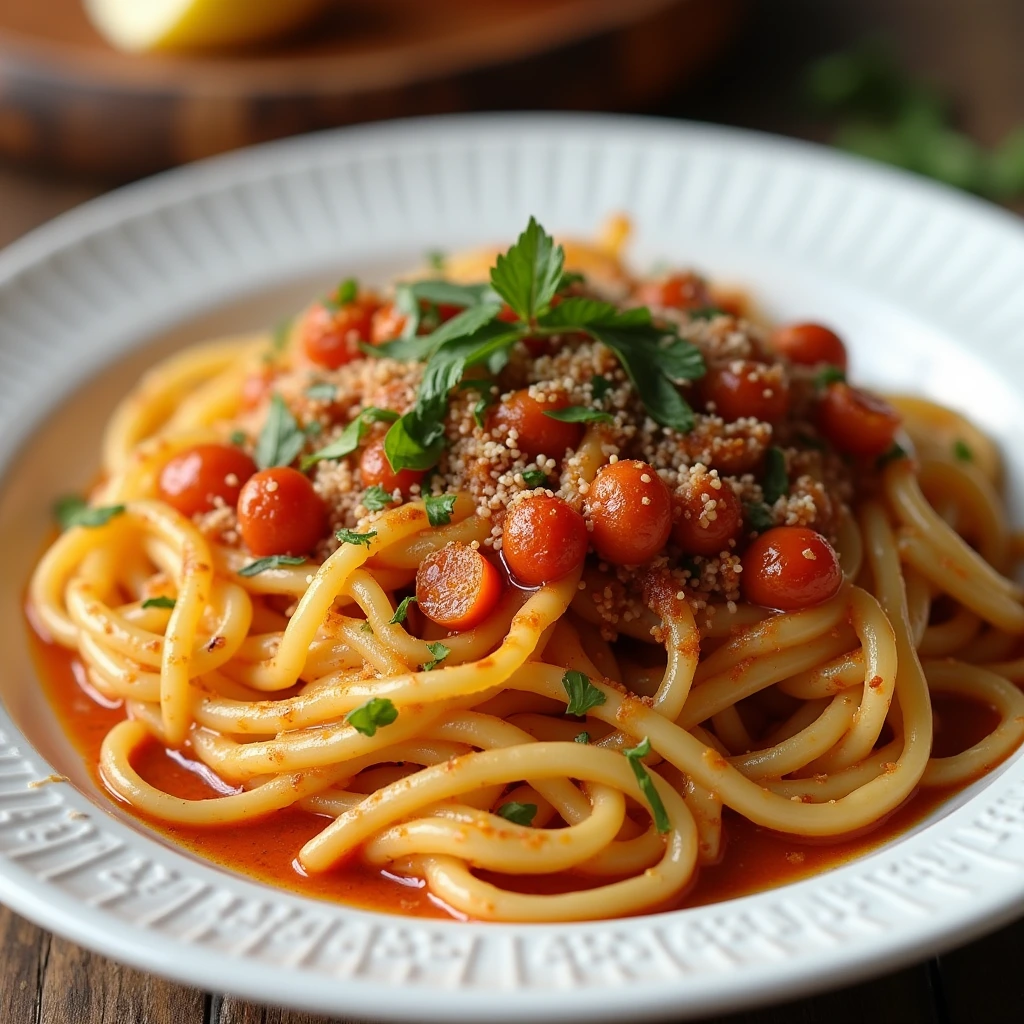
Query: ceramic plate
x=926, y=286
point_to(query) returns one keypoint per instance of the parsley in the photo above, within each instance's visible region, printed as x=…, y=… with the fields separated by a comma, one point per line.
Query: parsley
x=759, y=516
x=569, y=278
x=75, y=511
x=280, y=440
x=481, y=407
x=343, y=295
x=402, y=610
x=371, y=716
x=528, y=275
x=634, y=755
x=535, y=478
x=776, y=483
x=583, y=694
x=159, y=602
x=582, y=737
x=518, y=814
x=962, y=452
x=440, y=652
x=435, y=259
x=237, y=438
x=321, y=391
x=351, y=537
x=440, y=508
x=351, y=437
x=366, y=627
x=705, y=313
x=897, y=451
x=579, y=414
x=270, y=562
x=829, y=375
x=599, y=387
x=376, y=498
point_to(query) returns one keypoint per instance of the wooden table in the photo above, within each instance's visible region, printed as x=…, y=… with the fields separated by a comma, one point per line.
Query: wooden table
x=971, y=47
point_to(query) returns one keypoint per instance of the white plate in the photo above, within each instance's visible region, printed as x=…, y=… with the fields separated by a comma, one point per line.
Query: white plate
x=925, y=284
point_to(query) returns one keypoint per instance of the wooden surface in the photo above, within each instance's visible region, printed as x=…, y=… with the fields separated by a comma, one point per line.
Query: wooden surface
x=972, y=47
x=70, y=99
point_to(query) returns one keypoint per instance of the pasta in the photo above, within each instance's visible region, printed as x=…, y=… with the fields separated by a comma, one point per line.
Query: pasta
x=464, y=573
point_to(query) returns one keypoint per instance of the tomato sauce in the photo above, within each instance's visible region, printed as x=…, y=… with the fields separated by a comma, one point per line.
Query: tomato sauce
x=754, y=858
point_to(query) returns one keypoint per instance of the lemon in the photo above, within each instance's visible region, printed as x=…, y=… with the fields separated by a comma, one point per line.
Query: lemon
x=145, y=25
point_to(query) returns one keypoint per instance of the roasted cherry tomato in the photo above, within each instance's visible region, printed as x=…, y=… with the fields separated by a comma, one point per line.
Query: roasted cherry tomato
x=195, y=479
x=542, y=540
x=375, y=470
x=279, y=513
x=536, y=433
x=683, y=290
x=810, y=344
x=457, y=587
x=630, y=512
x=710, y=515
x=789, y=568
x=331, y=335
x=747, y=388
x=857, y=422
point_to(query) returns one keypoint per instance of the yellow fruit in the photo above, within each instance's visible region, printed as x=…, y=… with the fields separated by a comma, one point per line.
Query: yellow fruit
x=146, y=25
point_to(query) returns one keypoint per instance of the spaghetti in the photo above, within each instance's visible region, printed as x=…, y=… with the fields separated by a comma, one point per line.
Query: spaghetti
x=465, y=573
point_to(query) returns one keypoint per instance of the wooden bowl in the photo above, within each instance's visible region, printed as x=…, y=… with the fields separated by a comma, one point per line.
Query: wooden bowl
x=69, y=99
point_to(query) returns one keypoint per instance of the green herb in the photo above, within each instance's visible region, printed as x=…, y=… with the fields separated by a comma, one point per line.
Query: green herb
x=534, y=478
x=776, y=483
x=440, y=652
x=599, y=386
x=962, y=452
x=366, y=628
x=569, y=278
x=313, y=428
x=371, y=716
x=351, y=537
x=281, y=439
x=321, y=391
x=376, y=498
x=279, y=339
x=518, y=814
x=158, y=602
x=270, y=562
x=76, y=511
x=435, y=259
x=528, y=275
x=759, y=516
x=410, y=300
x=583, y=694
x=579, y=414
x=344, y=294
x=440, y=508
x=829, y=375
x=646, y=783
x=897, y=451
x=237, y=438
x=481, y=407
x=402, y=610
x=705, y=313
x=351, y=437
x=582, y=737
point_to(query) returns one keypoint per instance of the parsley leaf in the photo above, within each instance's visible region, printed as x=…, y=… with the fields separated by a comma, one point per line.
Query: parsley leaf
x=776, y=483
x=344, y=294
x=897, y=451
x=440, y=652
x=440, y=508
x=528, y=275
x=705, y=313
x=280, y=440
x=371, y=716
x=570, y=277
x=759, y=516
x=351, y=537
x=583, y=694
x=351, y=437
x=518, y=814
x=962, y=452
x=579, y=414
x=534, y=478
x=270, y=562
x=599, y=386
x=159, y=602
x=321, y=391
x=402, y=610
x=435, y=259
x=830, y=375
x=582, y=737
x=76, y=511
x=237, y=438
x=376, y=498
x=646, y=783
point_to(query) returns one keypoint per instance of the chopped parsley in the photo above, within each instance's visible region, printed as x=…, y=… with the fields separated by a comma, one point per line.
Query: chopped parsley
x=599, y=387
x=321, y=391
x=579, y=414
x=962, y=452
x=439, y=652
x=237, y=438
x=705, y=313
x=351, y=537
x=371, y=716
x=440, y=508
x=759, y=516
x=343, y=295
x=776, y=483
x=402, y=610
x=76, y=511
x=159, y=602
x=583, y=694
x=634, y=755
x=829, y=375
x=270, y=562
x=582, y=737
x=897, y=451
x=352, y=436
x=281, y=438
x=376, y=498
x=518, y=814
x=435, y=259
x=534, y=478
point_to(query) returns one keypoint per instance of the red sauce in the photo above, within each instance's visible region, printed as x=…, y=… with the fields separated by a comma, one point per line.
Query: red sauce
x=755, y=858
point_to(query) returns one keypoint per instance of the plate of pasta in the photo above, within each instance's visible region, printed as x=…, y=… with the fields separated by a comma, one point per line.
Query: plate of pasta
x=569, y=558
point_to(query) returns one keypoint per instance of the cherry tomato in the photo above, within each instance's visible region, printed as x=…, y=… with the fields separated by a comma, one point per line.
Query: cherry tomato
x=789, y=568
x=711, y=516
x=457, y=587
x=542, y=540
x=537, y=434
x=810, y=344
x=857, y=422
x=746, y=388
x=683, y=290
x=280, y=513
x=375, y=470
x=630, y=511
x=255, y=387
x=387, y=324
x=193, y=480
x=331, y=336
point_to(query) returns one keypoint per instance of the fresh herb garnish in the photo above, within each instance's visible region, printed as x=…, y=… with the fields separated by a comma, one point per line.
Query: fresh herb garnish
x=579, y=414
x=440, y=652
x=371, y=716
x=344, y=294
x=76, y=511
x=528, y=275
x=581, y=737
x=599, y=387
x=237, y=438
x=829, y=375
x=705, y=313
x=351, y=437
x=518, y=814
x=376, y=498
x=321, y=391
x=759, y=516
x=270, y=562
x=351, y=537
x=402, y=610
x=440, y=508
x=897, y=451
x=776, y=483
x=583, y=694
x=281, y=438
x=569, y=278
x=366, y=627
x=646, y=783
x=534, y=478
x=159, y=602
x=435, y=259
x=962, y=452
